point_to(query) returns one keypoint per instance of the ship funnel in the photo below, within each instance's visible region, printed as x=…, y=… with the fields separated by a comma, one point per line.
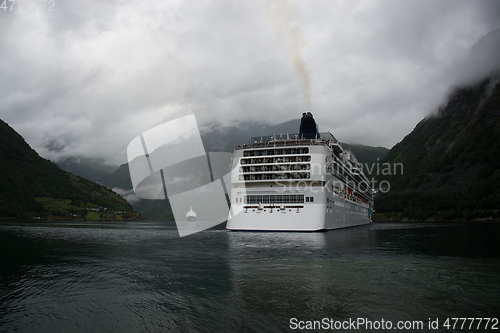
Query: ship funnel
x=308, y=128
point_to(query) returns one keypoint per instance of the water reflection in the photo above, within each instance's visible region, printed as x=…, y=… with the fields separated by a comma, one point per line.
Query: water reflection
x=240, y=241
x=346, y=240
x=290, y=274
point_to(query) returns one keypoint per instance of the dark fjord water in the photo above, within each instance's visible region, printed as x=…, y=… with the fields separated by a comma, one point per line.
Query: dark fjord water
x=141, y=277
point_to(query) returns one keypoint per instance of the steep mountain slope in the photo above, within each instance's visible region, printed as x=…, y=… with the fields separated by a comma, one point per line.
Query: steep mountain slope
x=451, y=160
x=31, y=185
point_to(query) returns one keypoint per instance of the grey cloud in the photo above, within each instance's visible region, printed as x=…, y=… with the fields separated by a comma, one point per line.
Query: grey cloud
x=92, y=76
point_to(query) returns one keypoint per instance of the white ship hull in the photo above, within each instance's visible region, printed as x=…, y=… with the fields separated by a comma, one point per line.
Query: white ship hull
x=327, y=211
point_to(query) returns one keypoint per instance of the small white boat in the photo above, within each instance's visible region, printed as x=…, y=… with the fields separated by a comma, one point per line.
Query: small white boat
x=191, y=215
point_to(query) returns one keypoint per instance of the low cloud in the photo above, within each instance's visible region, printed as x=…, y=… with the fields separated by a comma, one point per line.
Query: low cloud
x=128, y=195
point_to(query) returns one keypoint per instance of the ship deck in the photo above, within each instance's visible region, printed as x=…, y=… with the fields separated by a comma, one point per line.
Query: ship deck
x=287, y=140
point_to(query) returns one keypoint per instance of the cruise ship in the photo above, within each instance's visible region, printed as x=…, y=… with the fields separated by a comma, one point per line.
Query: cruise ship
x=297, y=182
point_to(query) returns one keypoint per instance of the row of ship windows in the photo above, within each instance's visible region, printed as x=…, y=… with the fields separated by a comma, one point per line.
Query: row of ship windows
x=283, y=199
x=270, y=176
x=274, y=198
x=267, y=152
x=281, y=167
x=286, y=159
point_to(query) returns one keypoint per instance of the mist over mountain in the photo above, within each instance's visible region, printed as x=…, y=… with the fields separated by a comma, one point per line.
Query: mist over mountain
x=93, y=169
x=481, y=61
x=451, y=160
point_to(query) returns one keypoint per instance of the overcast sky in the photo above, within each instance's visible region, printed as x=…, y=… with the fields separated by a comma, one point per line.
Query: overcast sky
x=90, y=76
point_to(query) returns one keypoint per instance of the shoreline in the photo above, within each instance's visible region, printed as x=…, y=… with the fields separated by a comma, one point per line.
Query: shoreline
x=406, y=220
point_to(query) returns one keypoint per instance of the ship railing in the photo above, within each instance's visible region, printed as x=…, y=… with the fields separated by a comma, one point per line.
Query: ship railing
x=283, y=143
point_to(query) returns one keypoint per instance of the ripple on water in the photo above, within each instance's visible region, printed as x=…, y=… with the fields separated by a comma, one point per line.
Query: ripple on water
x=143, y=277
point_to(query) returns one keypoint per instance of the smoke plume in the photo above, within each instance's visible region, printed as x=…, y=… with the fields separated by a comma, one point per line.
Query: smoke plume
x=286, y=21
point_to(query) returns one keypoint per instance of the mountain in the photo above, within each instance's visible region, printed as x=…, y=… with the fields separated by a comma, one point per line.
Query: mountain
x=92, y=169
x=451, y=161
x=224, y=138
x=32, y=186
x=217, y=138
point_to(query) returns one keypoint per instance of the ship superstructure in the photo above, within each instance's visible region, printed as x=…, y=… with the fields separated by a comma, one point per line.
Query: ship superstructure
x=297, y=182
